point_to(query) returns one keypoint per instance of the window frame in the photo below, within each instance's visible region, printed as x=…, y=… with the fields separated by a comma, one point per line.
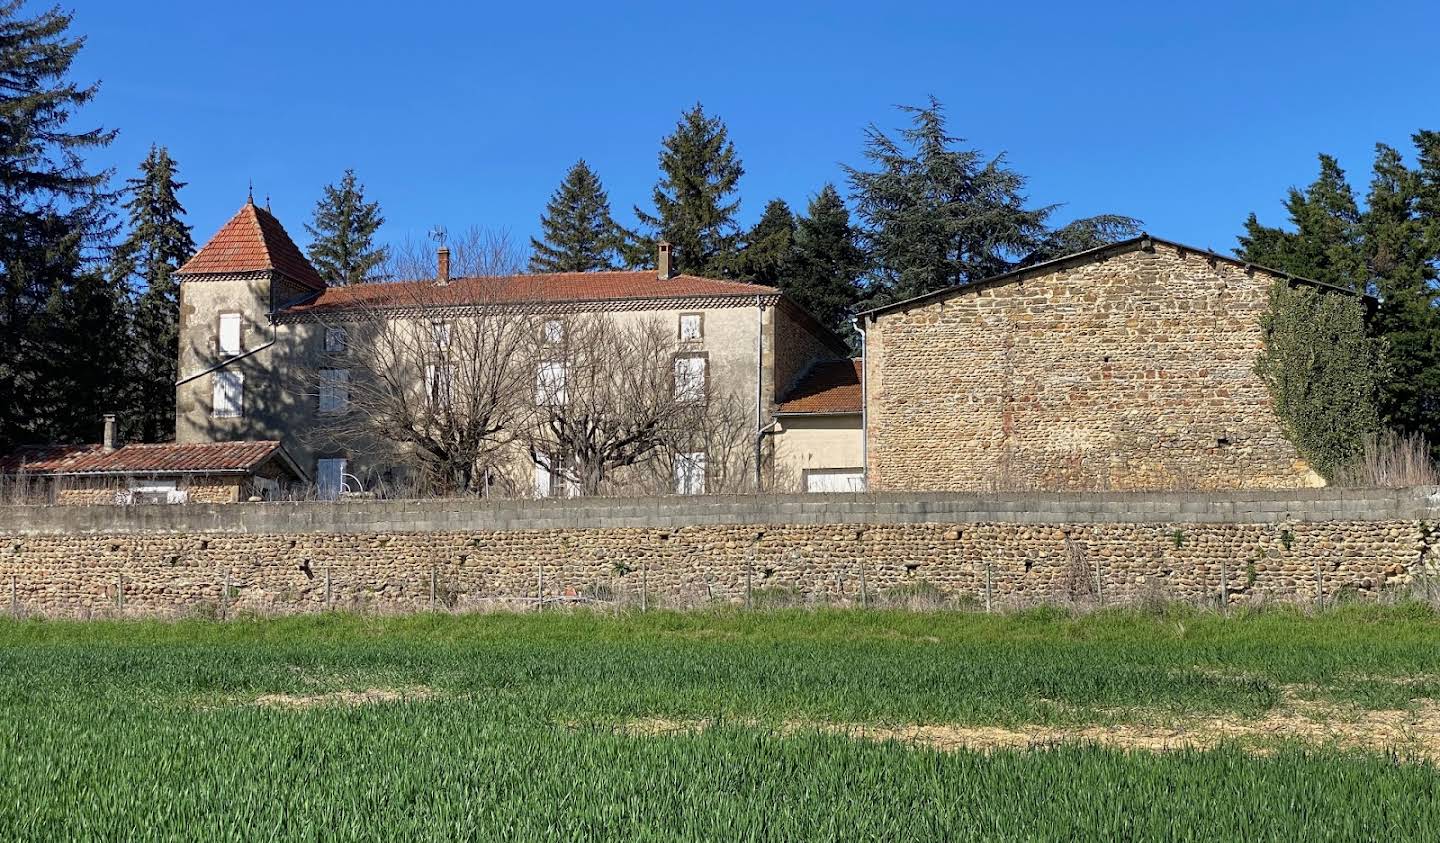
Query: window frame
x=337, y=387
x=239, y=319
x=700, y=326
x=237, y=411
x=555, y=339
x=342, y=346
x=544, y=396
x=690, y=473
x=704, y=379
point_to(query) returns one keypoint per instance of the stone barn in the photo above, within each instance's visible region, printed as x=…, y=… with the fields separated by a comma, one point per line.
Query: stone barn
x=1127, y=367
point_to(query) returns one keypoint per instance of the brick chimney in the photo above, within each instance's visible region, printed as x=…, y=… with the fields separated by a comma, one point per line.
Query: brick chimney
x=108, y=444
x=442, y=273
x=662, y=261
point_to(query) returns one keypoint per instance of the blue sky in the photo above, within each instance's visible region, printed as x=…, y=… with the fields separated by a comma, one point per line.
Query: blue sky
x=1187, y=115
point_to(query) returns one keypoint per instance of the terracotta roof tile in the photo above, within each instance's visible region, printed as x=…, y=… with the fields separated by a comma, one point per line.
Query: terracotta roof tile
x=251, y=241
x=141, y=459
x=831, y=386
x=524, y=289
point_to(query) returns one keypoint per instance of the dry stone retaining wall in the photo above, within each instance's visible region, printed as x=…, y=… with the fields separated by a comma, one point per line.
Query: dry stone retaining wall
x=401, y=556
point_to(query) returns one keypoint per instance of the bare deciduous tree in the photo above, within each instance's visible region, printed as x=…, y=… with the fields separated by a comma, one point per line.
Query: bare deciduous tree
x=416, y=377
x=610, y=393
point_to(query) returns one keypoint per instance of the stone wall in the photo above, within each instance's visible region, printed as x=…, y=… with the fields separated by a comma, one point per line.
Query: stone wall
x=1134, y=370
x=846, y=549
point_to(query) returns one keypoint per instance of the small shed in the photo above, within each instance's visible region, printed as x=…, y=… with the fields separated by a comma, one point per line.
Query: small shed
x=216, y=472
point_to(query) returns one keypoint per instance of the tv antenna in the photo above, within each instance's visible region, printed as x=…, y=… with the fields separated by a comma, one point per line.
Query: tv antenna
x=438, y=234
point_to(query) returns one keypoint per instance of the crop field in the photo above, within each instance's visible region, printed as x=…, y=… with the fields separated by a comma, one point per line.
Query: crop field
x=784, y=725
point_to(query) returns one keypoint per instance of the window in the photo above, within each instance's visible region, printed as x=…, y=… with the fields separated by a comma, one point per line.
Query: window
x=834, y=480
x=335, y=340
x=156, y=491
x=550, y=481
x=330, y=477
x=440, y=333
x=440, y=385
x=334, y=390
x=690, y=378
x=230, y=333
x=227, y=400
x=550, y=384
x=554, y=332
x=692, y=326
x=690, y=473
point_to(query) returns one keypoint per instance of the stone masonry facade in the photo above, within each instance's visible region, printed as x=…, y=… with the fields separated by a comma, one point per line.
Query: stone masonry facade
x=1129, y=369
x=837, y=549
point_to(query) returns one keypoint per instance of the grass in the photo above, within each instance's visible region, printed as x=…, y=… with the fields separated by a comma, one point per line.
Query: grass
x=149, y=730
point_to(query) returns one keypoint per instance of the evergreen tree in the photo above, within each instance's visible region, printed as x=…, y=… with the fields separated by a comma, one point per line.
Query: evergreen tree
x=1389, y=251
x=61, y=323
x=828, y=262
x=343, y=250
x=1400, y=226
x=936, y=214
x=694, y=211
x=579, y=234
x=1327, y=243
x=159, y=242
x=769, y=253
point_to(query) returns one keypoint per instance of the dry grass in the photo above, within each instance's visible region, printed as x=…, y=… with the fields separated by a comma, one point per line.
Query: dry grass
x=1413, y=733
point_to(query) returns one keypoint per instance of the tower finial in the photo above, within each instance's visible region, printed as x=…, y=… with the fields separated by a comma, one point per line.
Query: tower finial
x=267, y=201
x=250, y=193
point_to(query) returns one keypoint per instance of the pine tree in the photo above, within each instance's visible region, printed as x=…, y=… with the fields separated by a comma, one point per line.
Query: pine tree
x=936, y=214
x=769, y=253
x=578, y=233
x=1400, y=225
x=1327, y=243
x=343, y=250
x=828, y=262
x=159, y=242
x=61, y=323
x=693, y=206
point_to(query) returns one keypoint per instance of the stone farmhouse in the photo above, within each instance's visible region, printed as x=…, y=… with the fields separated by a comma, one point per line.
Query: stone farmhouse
x=264, y=345
x=1128, y=367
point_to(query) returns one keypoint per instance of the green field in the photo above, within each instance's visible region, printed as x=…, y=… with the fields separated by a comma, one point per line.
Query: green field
x=787, y=725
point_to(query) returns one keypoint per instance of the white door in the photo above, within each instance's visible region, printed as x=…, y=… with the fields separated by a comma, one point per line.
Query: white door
x=835, y=480
x=330, y=477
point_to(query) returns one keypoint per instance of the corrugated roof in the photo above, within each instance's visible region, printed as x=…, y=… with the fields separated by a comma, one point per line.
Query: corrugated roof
x=830, y=386
x=253, y=240
x=528, y=289
x=216, y=457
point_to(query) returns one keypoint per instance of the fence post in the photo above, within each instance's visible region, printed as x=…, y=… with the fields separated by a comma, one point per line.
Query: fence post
x=864, y=590
x=327, y=586
x=14, y=598
x=539, y=586
x=749, y=569
x=120, y=592
x=1224, y=586
x=645, y=585
x=432, y=588
x=987, y=587
x=225, y=596
x=1099, y=582
x=1319, y=585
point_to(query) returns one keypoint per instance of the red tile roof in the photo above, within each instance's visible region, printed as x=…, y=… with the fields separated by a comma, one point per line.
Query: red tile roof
x=213, y=457
x=832, y=386
x=251, y=241
x=525, y=289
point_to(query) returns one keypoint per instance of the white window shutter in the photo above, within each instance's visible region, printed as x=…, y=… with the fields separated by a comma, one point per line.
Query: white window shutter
x=230, y=333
